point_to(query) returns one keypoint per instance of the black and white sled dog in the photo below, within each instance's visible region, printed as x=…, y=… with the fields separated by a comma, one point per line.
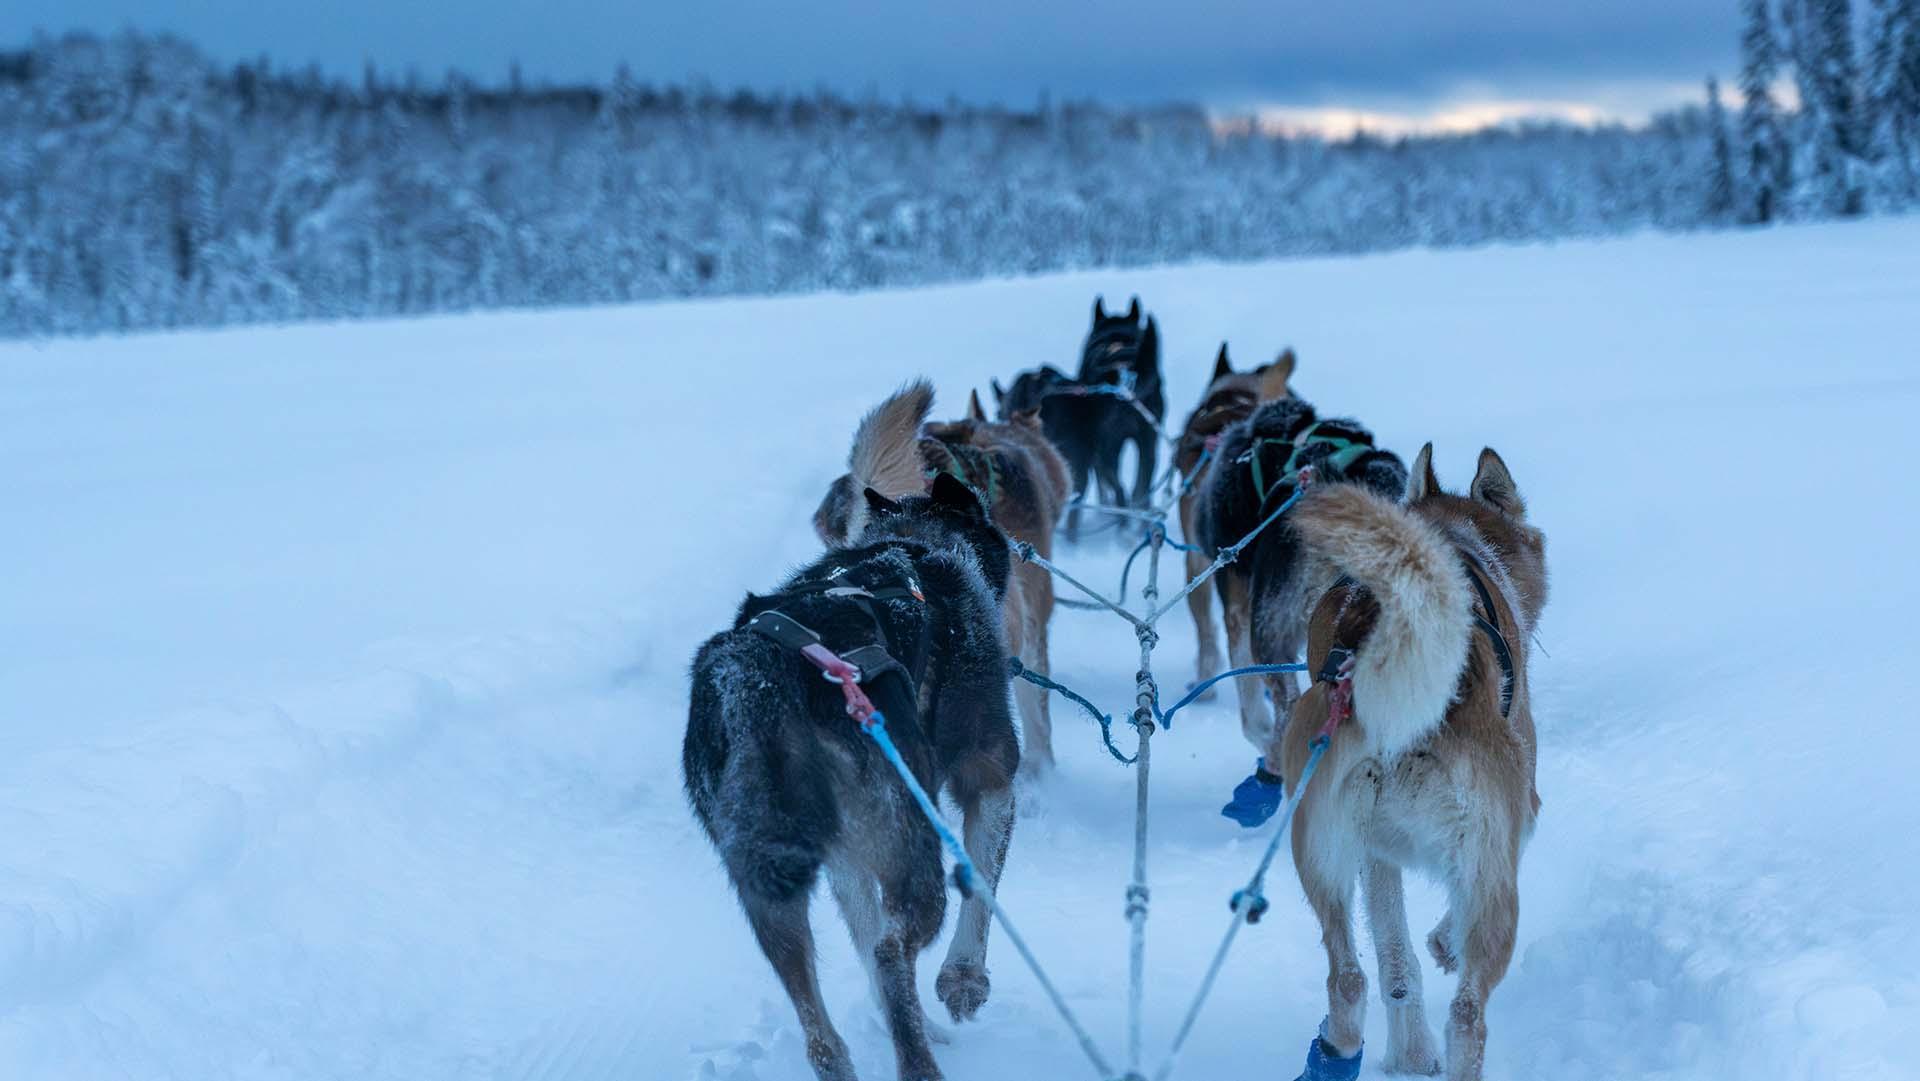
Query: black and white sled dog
x=1254, y=472
x=786, y=784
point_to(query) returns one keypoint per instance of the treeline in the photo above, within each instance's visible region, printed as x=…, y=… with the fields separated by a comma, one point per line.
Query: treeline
x=1854, y=143
x=143, y=186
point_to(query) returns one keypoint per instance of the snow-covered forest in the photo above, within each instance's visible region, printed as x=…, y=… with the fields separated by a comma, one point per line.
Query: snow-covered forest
x=143, y=185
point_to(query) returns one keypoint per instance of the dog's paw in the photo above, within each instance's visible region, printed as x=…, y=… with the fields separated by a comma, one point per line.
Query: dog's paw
x=1428, y=1066
x=1441, y=949
x=963, y=986
x=1418, y=1057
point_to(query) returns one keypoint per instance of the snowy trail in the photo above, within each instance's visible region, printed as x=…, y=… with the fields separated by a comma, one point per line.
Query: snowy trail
x=343, y=682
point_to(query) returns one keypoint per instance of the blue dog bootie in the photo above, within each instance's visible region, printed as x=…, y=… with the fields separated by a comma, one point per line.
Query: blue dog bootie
x=1257, y=798
x=1324, y=1064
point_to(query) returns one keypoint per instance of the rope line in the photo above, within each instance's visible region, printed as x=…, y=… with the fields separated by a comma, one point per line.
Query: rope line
x=1020, y=671
x=1195, y=691
x=1232, y=551
x=1248, y=904
x=969, y=884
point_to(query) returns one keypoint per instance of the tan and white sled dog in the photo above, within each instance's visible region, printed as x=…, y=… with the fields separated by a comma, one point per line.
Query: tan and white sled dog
x=1019, y=476
x=1435, y=769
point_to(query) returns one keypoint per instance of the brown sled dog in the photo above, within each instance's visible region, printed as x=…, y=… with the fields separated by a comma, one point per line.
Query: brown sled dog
x=1019, y=476
x=1435, y=769
x=1231, y=396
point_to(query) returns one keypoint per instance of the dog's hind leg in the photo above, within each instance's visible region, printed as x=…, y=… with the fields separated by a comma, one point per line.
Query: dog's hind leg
x=988, y=812
x=1485, y=914
x=1200, y=605
x=1236, y=608
x=858, y=895
x=1147, y=442
x=1440, y=944
x=1036, y=718
x=786, y=937
x=1106, y=470
x=1077, y=468
x=1346, y=984
x=1410, y=1044
x=1328, y=853
x=912, y=906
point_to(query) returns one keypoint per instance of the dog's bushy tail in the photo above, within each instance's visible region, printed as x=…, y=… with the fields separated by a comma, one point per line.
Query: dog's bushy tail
x=1407, y=669
x=886, y=452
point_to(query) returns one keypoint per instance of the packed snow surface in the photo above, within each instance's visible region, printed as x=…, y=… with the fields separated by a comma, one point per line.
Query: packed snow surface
x=343, y=673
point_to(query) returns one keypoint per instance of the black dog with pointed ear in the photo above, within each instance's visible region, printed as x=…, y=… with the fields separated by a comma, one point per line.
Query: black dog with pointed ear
x=1122, y=352
x=783, y=782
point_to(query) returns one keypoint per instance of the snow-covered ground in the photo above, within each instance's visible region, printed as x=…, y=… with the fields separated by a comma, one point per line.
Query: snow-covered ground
x=343, y=671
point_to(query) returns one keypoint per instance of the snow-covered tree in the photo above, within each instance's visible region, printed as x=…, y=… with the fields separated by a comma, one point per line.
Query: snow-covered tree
x=1893, y=96
x=1720, y=185
x=1767, y=162
x=1828, y=77
x=142, y=186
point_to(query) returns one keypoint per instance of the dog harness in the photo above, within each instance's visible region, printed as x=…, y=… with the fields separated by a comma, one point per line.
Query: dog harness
x=1221, y=409
x=1111, y=351
x=970, y=465
x=1484, y=616
x=1348, y=447
x=867, y=663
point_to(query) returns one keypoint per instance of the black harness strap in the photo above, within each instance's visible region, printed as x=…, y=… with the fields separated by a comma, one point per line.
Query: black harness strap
x=898, y=697
x=1483, y=618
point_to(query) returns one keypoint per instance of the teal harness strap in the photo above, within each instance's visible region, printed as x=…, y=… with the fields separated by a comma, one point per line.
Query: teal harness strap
x=959, y=460
x=1345, y=453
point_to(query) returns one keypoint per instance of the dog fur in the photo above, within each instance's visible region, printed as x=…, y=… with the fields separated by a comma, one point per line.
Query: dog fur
x=1116, y=346
x=1230, y=397
x=1073, y=424
x=1266, y=594
x=1427, y=774
x=784, y=784
x=1013, y=467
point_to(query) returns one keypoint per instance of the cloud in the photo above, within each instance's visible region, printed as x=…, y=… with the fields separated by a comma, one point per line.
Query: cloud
x=1372, y=56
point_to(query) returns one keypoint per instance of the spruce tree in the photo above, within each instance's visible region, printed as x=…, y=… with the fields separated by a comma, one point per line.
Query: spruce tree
x=1768, y=165
x=1892, y=90
x=1829, y=76
x=1720, y=184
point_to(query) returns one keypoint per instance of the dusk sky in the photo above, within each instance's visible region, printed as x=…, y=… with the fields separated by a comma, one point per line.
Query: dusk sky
x=1398, y=61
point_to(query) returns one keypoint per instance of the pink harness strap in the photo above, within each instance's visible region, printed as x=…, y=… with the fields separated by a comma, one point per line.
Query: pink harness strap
x=859, y=706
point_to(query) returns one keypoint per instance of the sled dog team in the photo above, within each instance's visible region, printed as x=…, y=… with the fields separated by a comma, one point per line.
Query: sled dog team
x=1414, y=604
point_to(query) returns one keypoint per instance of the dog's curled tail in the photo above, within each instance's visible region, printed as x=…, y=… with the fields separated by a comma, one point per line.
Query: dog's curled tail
x=886, y=452
x=1406, y=670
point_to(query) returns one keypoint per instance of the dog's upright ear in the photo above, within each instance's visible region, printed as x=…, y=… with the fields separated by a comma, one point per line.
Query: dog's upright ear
x=1276, y=378
x=1222, y=367
x=1421, y=480
x=1133, y=310
x=974, y=412
x=950, y=491
x=1099, y=310
x=1150, y=340
x=1494, y=486
x=999, y=393
x=879, y=506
